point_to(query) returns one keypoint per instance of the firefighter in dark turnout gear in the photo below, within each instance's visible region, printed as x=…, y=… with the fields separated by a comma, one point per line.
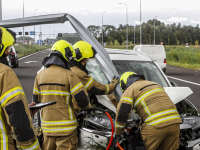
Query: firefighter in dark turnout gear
x=85, y=51
x=58, y=83
x=14, y=112
x=161, y=120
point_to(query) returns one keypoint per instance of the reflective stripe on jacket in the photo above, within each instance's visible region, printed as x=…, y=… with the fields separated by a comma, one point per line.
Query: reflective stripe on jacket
x=14, y=113
x=150, y=102
x=92, y=86
x=63, y=86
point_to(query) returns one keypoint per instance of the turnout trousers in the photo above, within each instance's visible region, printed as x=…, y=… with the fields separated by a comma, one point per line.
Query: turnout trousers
x=61, y=142
x=166, y=138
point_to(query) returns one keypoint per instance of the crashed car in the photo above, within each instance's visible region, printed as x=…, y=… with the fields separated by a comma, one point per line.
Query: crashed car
x=142, y=64
x=95, y=127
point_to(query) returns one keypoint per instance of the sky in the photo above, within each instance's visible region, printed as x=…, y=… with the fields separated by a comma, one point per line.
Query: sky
x=89, y=12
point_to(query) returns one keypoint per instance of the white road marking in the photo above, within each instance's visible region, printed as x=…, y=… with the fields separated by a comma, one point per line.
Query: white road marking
x=28, y=62
x=184, y=80
x=31, y=54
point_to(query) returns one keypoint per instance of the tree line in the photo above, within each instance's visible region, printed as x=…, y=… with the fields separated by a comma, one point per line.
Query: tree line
x=170, y=34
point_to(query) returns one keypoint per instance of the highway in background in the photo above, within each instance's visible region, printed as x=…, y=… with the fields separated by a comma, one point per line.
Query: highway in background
x=186, y=78
x=29, y=65
x=26, y=72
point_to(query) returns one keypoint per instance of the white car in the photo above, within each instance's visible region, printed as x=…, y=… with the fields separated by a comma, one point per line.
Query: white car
x=142, y=64
x=9, y=61
x=156, y=52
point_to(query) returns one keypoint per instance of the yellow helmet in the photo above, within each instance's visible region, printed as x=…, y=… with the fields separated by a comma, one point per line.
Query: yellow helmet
x=124, y=79
x=83, y=50
x=65, y=48
x=7, y=38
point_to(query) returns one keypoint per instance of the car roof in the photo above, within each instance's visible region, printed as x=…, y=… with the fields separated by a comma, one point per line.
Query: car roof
x=120, y=54
x=148, y=46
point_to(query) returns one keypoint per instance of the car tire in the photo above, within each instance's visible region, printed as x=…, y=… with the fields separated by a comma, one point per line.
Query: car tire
x=14, y=64
x=17, y=63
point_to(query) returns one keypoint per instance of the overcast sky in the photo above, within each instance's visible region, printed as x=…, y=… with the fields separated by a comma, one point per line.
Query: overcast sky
x=89, y=12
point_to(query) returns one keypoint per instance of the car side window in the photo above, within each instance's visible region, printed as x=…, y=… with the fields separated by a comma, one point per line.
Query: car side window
x=95, y=71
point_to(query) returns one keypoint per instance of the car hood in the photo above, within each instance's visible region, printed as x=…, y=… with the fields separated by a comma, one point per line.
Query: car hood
x=177, y=94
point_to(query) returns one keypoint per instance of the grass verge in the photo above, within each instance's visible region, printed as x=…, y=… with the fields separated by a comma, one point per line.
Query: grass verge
x=181, y=56
x=29, y=49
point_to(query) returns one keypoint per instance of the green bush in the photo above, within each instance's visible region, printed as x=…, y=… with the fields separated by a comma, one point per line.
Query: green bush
x=28, y=49
x=184, y=55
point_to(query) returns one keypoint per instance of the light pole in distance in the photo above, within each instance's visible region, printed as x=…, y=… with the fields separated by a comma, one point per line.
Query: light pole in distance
x=154, y=30
x=34, y=26
x=102, y=27
x=140, y=25
x=126, y=24
x=0, y=10
x=49, y=34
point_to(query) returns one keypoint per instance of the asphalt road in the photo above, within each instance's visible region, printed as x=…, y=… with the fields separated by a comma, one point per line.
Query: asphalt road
x=29, y=65
x=186, y=78
x=27, y=70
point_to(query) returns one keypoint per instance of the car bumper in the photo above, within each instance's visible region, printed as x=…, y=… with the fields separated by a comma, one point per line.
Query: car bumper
x=193, y=145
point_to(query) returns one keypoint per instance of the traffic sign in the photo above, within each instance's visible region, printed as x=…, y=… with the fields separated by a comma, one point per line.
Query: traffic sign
x=32, y=32
x=39, y=41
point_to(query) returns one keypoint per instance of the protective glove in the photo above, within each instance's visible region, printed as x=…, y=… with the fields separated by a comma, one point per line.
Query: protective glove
x=115, y=80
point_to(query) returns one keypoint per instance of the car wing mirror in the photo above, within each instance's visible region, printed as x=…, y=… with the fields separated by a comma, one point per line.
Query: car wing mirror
x=17, y=52
x=173, y=83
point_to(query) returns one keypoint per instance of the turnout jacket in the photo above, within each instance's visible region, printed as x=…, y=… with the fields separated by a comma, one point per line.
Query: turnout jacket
x=150, y=102
x=92, y=86
x=61, y=85
x=14, y=113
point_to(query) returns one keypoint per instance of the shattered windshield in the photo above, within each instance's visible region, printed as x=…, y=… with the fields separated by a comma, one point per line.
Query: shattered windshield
x=148, y=69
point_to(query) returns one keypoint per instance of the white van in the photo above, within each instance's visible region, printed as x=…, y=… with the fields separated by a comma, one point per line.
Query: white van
x=156, y=52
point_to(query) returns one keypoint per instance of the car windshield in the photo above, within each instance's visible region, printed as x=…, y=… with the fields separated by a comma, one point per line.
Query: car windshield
x=148, y=69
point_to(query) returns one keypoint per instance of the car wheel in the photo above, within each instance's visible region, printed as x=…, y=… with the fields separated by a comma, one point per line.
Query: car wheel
x=14, y=64
x=17, y=63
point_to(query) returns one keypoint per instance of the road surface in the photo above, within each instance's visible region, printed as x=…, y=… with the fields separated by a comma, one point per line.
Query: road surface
x=26, y=72
x=186, y=78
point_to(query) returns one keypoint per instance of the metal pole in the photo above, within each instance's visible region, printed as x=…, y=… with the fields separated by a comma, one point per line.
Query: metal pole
x=34, y=27
x=126, y=26
x=49, y=34
x=23, y=26
x=154, y=30
x=0, y=10
x=40, y=35
x=140, y=25
x=102, y=28
x=134, y=34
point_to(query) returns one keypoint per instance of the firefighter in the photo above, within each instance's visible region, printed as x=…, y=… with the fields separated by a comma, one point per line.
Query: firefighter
x=14, y=112
x=160, y=118
x=85, y=51
x=58, y=83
